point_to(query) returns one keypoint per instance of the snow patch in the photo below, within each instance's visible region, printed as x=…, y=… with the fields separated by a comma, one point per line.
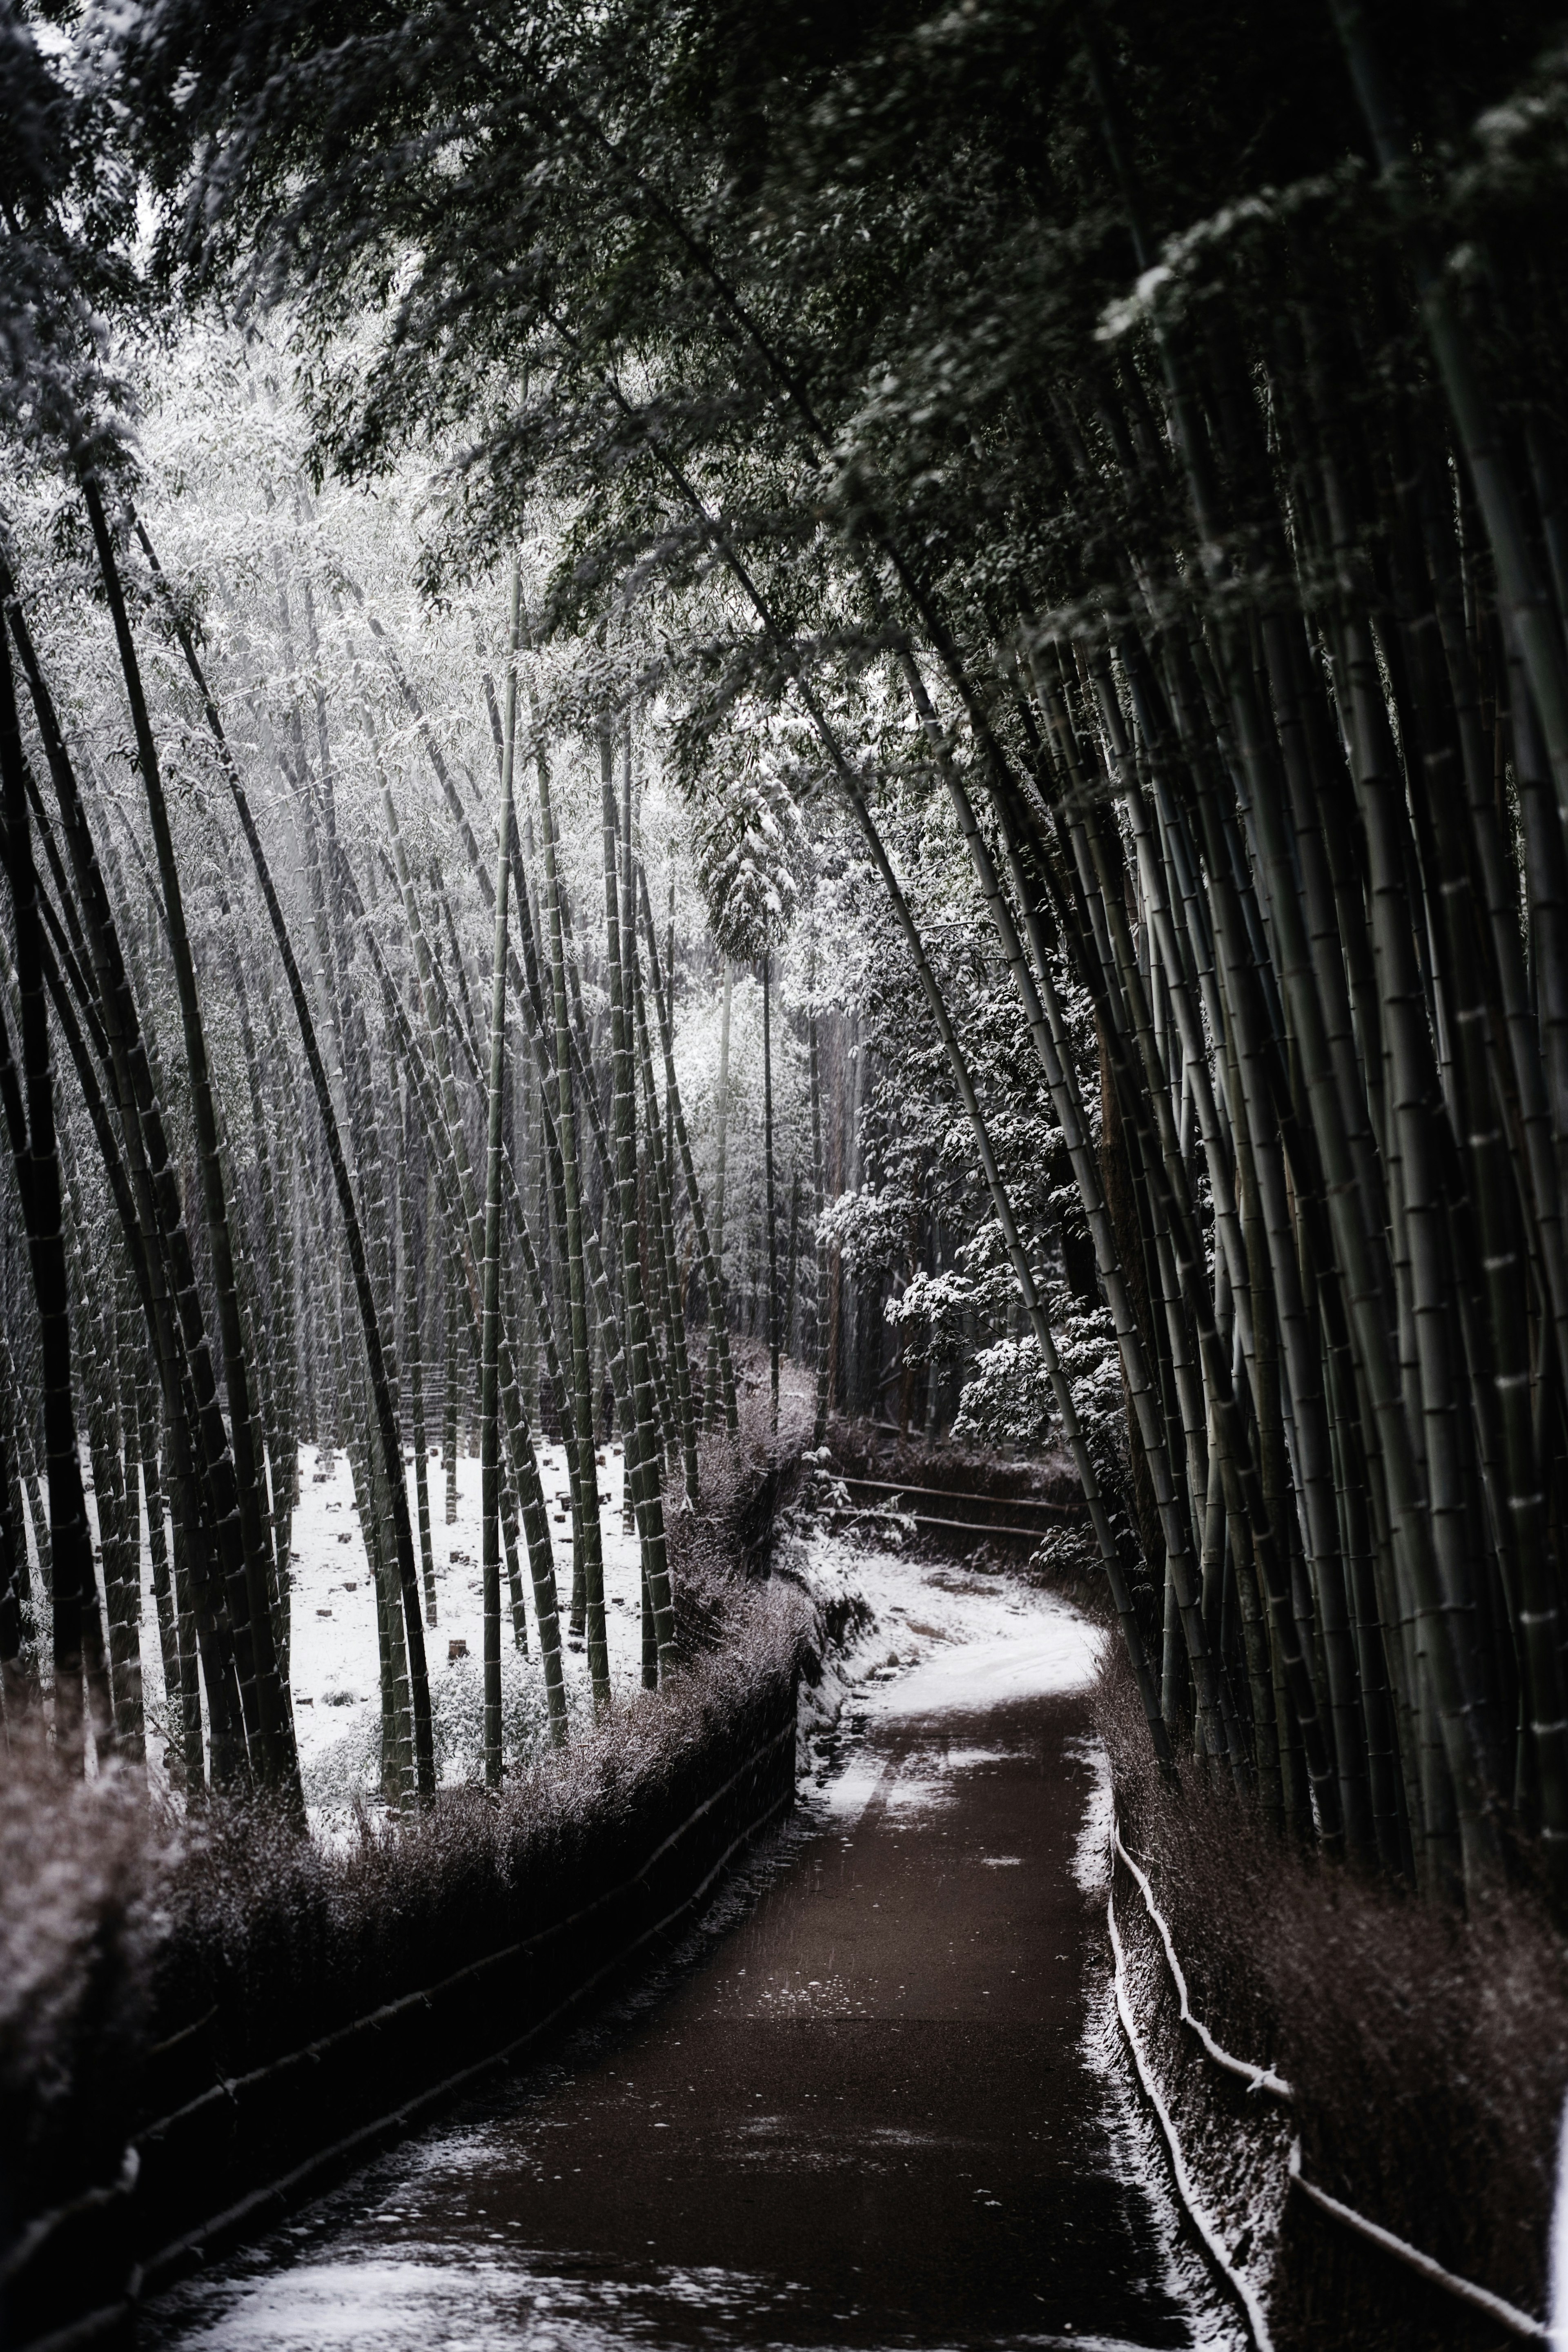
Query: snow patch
x=1557, y=2307
x=334, y=1659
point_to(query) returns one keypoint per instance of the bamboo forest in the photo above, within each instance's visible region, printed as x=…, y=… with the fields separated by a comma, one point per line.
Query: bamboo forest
x=783, y=1229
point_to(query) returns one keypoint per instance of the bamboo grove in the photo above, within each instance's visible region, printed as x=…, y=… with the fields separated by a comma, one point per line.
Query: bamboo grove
x=1097, y=474
x=286, y=1170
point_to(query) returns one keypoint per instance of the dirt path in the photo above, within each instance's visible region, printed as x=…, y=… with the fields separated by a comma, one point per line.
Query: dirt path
x=863, y=2117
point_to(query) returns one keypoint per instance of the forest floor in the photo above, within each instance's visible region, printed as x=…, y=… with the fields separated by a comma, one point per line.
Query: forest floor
x=334, y=1661
x=333, y=1666
x=872, y=2102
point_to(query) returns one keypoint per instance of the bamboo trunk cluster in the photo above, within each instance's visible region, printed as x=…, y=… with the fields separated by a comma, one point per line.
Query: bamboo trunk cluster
x=361, y=1235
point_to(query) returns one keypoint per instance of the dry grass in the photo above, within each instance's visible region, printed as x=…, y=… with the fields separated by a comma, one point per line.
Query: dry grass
x=1429, y=2053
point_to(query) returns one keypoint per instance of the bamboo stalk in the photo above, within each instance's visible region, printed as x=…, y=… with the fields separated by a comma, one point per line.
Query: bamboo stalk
x=489, y=1410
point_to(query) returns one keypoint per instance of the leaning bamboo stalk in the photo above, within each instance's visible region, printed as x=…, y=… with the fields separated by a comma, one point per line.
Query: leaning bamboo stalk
x=173, y=1307
x=277, y=1760
x=388, y=1441
x=204, y=1626
x=849, y=787
x=1048, y=1028
x=31, y=1121
x=489, y=1413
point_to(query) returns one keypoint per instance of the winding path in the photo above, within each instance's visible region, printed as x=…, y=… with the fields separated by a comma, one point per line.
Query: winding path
x=861, y=2117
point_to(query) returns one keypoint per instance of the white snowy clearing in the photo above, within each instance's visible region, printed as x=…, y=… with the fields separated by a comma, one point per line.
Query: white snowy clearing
x=333, y=1664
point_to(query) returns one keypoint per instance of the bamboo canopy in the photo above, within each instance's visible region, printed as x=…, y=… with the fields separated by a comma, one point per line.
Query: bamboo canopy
x=1014, y=445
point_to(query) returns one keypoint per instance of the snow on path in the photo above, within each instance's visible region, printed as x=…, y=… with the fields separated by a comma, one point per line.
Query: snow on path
x=942, y=1637
x=943, y=1641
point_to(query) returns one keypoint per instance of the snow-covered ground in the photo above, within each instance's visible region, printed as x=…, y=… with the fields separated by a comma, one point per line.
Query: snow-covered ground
x=334, y=1668
x=931, y=1637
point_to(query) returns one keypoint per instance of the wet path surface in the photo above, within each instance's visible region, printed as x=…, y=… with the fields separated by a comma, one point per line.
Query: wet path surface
x=862, y=2117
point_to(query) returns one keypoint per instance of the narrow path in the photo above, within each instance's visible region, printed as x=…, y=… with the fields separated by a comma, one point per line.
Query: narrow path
x=862, y=2117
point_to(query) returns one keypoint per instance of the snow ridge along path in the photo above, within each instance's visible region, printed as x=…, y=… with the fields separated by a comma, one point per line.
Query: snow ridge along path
x=872, y=2103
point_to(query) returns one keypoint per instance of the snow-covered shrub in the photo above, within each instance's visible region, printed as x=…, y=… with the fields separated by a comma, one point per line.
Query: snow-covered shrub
x=351, y=1769
x=286, y=1938
x=1067, y=1558
x=869, y=1229
x=930, y=1311
x=1006, y=1400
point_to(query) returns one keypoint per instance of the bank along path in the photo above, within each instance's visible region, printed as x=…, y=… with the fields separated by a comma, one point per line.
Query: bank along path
x=861, y=2111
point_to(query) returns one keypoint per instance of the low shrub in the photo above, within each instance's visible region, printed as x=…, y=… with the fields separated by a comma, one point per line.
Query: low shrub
x=270, y=1930
x=1428, y=2052
x=84, y=1865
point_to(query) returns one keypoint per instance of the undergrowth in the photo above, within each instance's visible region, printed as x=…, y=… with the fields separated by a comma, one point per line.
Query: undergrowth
x=1428, y=2052
x=121, y=1925
x=83, y=1867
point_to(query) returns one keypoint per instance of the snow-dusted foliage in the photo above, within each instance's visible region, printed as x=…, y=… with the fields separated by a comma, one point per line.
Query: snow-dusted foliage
x=1006, y=1401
